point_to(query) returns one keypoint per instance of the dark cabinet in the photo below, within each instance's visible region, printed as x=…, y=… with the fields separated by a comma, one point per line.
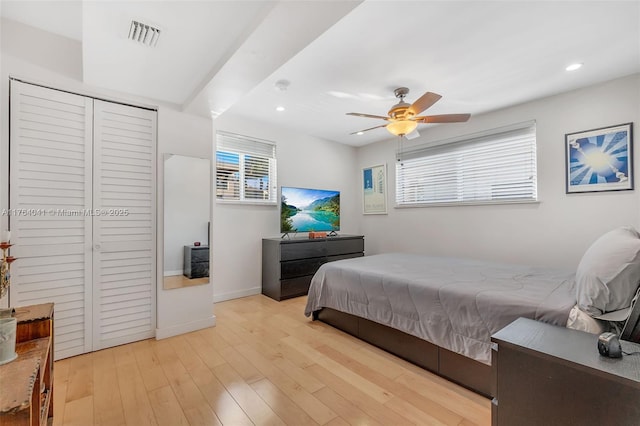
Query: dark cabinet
x=549, y=375
x=196, y=261
x=289, y=265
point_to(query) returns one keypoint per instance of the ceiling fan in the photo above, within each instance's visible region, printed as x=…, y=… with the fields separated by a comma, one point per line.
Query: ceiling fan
x=403, y=118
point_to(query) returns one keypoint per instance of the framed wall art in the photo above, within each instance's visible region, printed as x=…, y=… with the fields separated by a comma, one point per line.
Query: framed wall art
x=374, y=189
x=599, y=159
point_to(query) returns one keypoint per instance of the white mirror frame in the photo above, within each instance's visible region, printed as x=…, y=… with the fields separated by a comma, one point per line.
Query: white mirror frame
x=187, y=215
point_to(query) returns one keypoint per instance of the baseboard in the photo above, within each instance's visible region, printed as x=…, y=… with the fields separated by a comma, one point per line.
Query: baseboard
x=235, y=294
x=173, y=273
x=175, y=330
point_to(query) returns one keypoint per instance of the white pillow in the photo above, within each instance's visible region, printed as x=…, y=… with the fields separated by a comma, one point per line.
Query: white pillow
x=609, y=273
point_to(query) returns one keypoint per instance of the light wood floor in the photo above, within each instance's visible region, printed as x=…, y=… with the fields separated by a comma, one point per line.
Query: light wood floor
x=265, y=364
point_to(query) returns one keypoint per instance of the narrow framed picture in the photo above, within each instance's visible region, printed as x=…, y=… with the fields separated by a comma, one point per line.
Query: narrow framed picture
x=374, y=189
x=599, y=159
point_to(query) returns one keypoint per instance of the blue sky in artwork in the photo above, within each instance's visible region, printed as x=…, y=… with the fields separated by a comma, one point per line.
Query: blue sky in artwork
x=368, y=178
x=302, y=197
x=599, y=158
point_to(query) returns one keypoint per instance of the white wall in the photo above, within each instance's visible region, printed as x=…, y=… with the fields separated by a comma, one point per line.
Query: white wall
x=237, y=230
x=56, y=61
x=187, y=202
x=555, y=232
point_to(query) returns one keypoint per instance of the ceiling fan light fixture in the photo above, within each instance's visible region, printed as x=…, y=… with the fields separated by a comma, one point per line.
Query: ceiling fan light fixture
x=403, y=118
x=401, y=127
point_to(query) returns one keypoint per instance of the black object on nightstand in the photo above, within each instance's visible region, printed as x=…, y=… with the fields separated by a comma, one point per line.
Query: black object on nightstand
x=609, y=345
x=550, y=375
x=196, y=261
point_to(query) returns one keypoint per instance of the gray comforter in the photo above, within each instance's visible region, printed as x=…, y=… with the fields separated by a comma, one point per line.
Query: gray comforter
x=454, y=303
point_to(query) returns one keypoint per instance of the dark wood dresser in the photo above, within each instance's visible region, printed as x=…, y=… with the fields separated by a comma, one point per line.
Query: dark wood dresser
x=289, y=265
x=196, y=261
x=550, y=375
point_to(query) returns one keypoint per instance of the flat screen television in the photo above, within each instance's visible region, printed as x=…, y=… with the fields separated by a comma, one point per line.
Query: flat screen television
x=307, y=210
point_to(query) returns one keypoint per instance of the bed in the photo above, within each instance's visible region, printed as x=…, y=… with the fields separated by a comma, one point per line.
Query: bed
x=440, y=312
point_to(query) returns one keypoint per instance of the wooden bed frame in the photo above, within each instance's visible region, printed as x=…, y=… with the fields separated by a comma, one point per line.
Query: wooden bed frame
x=464, y=371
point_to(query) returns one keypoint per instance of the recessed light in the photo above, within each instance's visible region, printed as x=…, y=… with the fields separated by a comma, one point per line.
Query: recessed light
x=574, y=67
x=360, y=133
x=282, y=85
x=280, y=108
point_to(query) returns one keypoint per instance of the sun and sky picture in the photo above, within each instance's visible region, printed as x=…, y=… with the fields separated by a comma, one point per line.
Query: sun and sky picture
x=599, y=160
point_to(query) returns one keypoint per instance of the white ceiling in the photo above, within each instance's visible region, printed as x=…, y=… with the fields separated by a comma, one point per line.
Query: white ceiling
x=188, y=48
x=224, y=57
x=59, y=17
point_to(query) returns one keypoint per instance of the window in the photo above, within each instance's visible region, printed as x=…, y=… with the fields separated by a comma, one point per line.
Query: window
x=498, y=166
x=245, y=169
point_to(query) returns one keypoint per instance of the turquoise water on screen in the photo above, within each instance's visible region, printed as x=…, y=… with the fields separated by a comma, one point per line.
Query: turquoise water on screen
x=308, y=220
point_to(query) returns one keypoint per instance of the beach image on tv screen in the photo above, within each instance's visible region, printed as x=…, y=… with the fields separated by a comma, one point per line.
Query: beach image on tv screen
x=305, y=210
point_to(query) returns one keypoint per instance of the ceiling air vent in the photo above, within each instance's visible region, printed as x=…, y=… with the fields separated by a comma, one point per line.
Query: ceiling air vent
x=144, y=34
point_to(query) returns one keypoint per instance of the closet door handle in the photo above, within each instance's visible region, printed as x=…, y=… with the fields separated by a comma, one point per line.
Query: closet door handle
x=97, y=246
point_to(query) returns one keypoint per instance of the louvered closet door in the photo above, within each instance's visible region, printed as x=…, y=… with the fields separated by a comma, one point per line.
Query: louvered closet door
x=50, y=180
x=124, y=233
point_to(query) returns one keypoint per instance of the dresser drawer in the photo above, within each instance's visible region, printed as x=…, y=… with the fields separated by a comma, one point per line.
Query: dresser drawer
x=298, y=268
x=199, y=270
x=344, y=256
x=295, y=287
x=344, y=246
x=304, y=250
x=200, y=254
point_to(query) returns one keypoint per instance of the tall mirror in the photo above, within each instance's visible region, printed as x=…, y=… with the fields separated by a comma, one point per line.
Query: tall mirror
x=187, y=206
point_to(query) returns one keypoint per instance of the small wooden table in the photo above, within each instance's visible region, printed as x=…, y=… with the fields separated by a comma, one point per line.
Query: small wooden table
x=26, y=384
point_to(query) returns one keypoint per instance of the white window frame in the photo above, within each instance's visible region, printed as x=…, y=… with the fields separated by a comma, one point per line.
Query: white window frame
x=470, y=178
x=243, y=147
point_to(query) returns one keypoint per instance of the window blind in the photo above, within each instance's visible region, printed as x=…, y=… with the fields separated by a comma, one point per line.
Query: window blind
x=495, y=166
x=245, y=169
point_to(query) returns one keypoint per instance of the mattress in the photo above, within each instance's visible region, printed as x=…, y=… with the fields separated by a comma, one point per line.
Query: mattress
x=454, y=303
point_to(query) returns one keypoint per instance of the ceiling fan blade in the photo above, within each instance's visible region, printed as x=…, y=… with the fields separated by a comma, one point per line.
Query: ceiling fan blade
x=366, y=130
x=424, y=102
x=357, y=114
x=444, y=118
